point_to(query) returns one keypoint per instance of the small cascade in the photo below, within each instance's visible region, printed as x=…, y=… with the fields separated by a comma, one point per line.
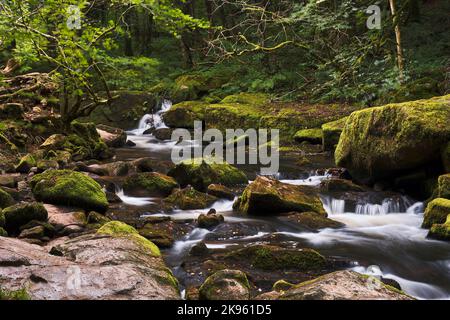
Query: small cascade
x=133, y=201
x=153, y=120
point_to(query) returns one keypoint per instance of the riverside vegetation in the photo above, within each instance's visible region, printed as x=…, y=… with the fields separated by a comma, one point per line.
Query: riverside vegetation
x=92, y=207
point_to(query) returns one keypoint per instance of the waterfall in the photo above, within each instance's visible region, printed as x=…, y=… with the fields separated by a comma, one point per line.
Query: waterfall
x=153, y=120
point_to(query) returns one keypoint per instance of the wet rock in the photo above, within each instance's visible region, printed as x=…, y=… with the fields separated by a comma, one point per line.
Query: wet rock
x=149, y=184
x=220, y=191
x=341, y=285
x=113, y=197
x=266, y=196
x=26, y=163
x=103, y=266
x=22, y=213
x=5, y=199
x=440, y=231
x=268, y=257
x=436, y=212
x=37, y=232
x=230, y=230
x=340, y=185
x=96, y=219
x=225, y=285
x=200, y=174
x=310, y=221
x=162, y=238
x=112, y=137
x=9, y=180
x=163, y=133
x=43, y=165
x=199, y=249
x=69, y=188
x=282, y=285
x=381, y=142
x=313, y=136
x=54, y=142
x=209, y=221
x=190, y=199
x=331, y=133
x=130, y=143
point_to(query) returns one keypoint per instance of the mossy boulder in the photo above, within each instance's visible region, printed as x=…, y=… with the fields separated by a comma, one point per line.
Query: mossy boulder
x=85, y=143
x=313, y=136
x=149, y=184
x=159, y=237
x=266, y=196
x=200, y=173
x=220, y=191
x=69, y=188
x=340, y=185
x=331, y=132
x=6, y=199
x=310, y=221
x=225, y=285
x=268, y=257
x=22, y=213
x=436, y=212
x=381, y=142
x=190, y=199
x=208, y=221
x=120, y=229
x=26, y=163
x=440, y=231
x=112, y=137
x=443, y=187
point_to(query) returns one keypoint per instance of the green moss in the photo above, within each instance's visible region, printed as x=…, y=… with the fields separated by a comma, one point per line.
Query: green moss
x=443, y=186
x=120, y=229
x=26, y=163
x=22, y=213
x=379, y=142
x=436, y=212
x=268, y=257
x=5, y=200
x=254, y=99
x=215, y=286
x=149, y=183
x=282, y=285
x=20, y=294
x=190, y=199
x=310, y=135
x=441, y=231
x=331, y=133
x=71, y=188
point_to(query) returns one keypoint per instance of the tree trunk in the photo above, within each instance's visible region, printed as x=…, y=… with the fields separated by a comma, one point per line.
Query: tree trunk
x=398, y=40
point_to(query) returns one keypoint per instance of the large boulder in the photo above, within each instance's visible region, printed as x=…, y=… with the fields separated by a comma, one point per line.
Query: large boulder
x=436, y=212
x=200, y=173
x=225, y=285
x=190, y=199
x=113, y=137
x=69, y=188
x=339, y=285
x=149, y=184
x=109, y=265
x=22, y=213
x=381, y=142
x=266, y=196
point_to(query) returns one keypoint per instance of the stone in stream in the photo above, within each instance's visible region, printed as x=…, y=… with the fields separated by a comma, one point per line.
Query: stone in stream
x=340, y=185
x=61, y=217
x=113, y=137
x=313, y=136
x=225, y=285
x=220, y=191
x=114, y=263
x=310, y=221
x=190, y=199
x=339, y=285
x=208, y=221
x=436, y=212
x=163, y=133
x=161, y=237
x=382, y=142
x=440, y=231
x=22, y=213
x=266, y=196
x=201, y=173
x=149, y=184
x=69, y=188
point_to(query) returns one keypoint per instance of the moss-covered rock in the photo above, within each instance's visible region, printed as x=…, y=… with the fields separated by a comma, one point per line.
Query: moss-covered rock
x=282, y=285
x=149, y=184
x=2, y=219
x=200, y=173
x=208, y=221
x=159, y=237
x=3, y=232
x=331, y=132
x=311, y=221
x=112, y=137
x=313, y=136
x=26, y=163
x=5, y=199
x=85, y=142
x=220, y=191
x=22, y=213
x=266, y=196
x=120, y=229
x=54, y=142
x=340, y=185
x=440, y=231
x=190, y=199
x=383, y=141
x=268, y=257
x=225, y=285
x=436, y=212
x=20, y=294
x=443, y=186
x=69, y=188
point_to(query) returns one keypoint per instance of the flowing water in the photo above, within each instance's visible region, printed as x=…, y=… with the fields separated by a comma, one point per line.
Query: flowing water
x=382, y=234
